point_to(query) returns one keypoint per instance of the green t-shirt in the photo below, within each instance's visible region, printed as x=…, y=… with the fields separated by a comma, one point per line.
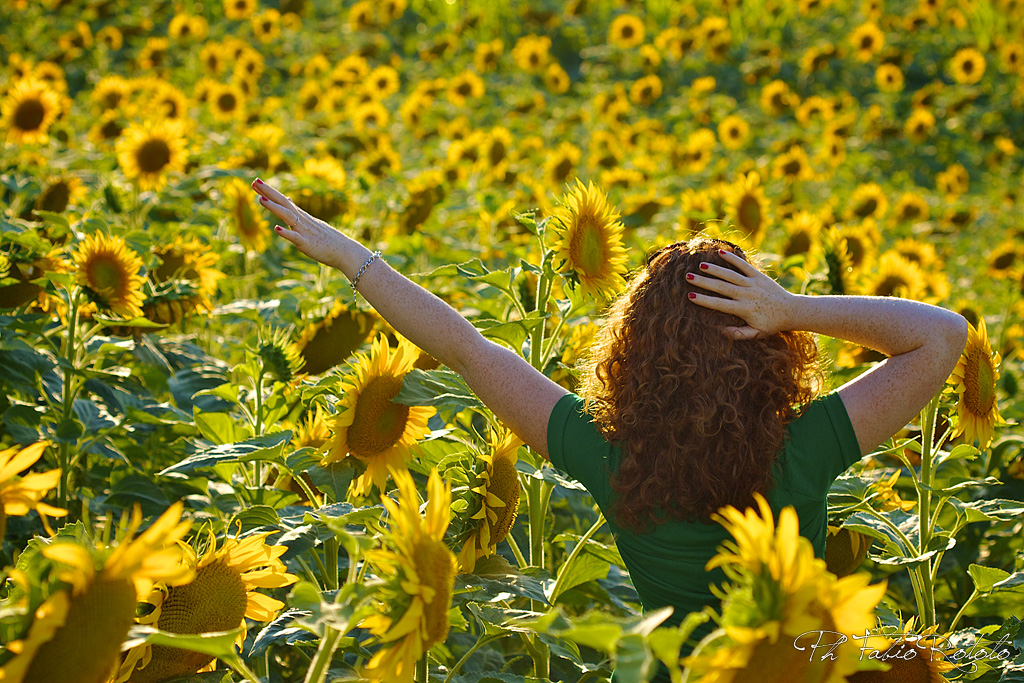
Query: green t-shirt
x=666, y=566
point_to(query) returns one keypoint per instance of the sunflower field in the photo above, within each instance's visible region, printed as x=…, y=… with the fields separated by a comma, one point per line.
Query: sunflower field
x=217, y=463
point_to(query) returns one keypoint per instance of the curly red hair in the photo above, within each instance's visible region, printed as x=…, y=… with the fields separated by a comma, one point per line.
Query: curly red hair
x=700, y=417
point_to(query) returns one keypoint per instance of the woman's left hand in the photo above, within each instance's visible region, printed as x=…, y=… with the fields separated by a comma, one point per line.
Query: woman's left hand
x=763, y=304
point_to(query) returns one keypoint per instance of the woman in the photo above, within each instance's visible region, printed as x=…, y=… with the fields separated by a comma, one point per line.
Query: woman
x=694, y=385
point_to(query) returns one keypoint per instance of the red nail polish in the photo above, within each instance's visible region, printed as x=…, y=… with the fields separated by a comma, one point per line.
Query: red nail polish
x=278, y=228
x=259, y=182
x=692, y=295
x=703, y=266
x=263, y=200
x=721, y=252
x=689, y=276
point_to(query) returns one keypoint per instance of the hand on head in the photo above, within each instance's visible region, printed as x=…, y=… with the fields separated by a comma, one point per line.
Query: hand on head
x=746, y=292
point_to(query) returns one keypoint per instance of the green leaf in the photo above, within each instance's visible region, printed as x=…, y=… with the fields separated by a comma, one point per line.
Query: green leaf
x=527, y=220
x=633, y=659
x=436, y=388
x=495, y=577
x=997, y=509
x=585, y=567
x=333, y=479
x=219, y=644
x=220, y=428
x=985, y=578
x=267, y=447
x=513, y=332
x=257, y=516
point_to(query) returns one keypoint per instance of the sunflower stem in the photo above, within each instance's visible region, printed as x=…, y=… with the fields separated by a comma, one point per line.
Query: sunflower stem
x=331, y=556
x=256, y=468
x=481, y=641
x=422, y=672
x=63, y=452
x=928, y=418
x=317, y=671
x=523, y=564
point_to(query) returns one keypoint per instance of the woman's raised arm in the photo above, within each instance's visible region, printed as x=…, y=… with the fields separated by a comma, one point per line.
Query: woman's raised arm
x=923, y=341
x=521, y=396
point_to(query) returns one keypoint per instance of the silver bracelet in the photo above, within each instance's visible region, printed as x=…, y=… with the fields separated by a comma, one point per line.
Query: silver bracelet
x=355, y=280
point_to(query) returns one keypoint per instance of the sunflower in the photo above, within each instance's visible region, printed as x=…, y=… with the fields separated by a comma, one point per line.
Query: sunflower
x=266, y=25
x=331, y=340
x=110, y=271
x=867, y=39
x=974, y=382
x=466, y=86
x=911, y=207
x=781, y=594
x=369, y=426
x=748, y=207
x=910, y=656
x=696, y=207
x=110, y=93
x=645, y=90
x=420, y=572
x=953, y=181
x=817, y=107
x=776, y=98
x=626, y=31
x=110, y=37
x=531, y=53
x=370, y=116
x=239, y=9
x=802, y=231
x=1005, y=259
x=733, y=131
x=895, y=276
x=170, y=102
x=19, y=494
x=589, y=245
x=967, y=65
x=248, y=225
x=889, y=78
x=220, y=596
x=556, y=79
x=887, y=498
x=486, y=54
x=921, y=253
x=226, y=102
x=845, y=549
x=792, y=165
x=868, y=201
x=1012, y=56
x=147, y=152
x=28, y=110
x=696, y=153
x=919, y=124
x=60, y=192
x=559, y=166
x=861, y=243
x=497, y=484
x=833, y=150
x=361, y=16
x=81, y=625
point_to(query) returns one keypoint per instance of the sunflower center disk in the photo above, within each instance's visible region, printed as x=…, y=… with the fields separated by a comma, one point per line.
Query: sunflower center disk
x=29, y=115
x=105, y=275
x=88, y=642
x=378, y=423
x=214, y=601
x=750, y=214
x=587, y=247
x=436, y=567
x=979, y=381
x=505, y=485
x=153, y=155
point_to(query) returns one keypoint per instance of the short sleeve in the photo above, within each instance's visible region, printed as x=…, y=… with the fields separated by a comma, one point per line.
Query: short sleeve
x=577, y=448
x=822, y=443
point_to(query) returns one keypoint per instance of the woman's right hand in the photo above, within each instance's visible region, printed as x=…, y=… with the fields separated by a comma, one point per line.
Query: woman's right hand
x=312, y=236
x=763, y=304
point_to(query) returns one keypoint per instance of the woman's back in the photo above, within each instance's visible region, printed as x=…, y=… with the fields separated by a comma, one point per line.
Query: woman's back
x=667, y=565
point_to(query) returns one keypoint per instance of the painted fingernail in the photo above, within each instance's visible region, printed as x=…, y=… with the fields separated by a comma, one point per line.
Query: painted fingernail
x=689, y=276
x=278, y=228
x=692, y=295
x=721, y=252
x=259, y=182
x=703, y=266
x=263, y=200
